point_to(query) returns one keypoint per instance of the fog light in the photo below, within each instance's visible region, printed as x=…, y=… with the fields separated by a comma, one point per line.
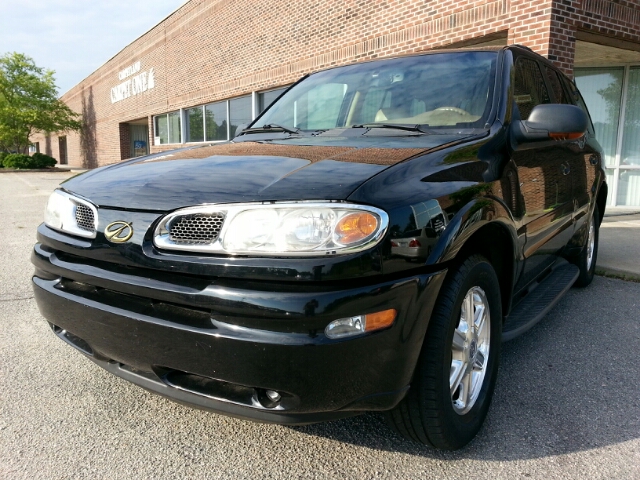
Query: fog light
x=268, y=398
x=273, y=395
x=347, y=327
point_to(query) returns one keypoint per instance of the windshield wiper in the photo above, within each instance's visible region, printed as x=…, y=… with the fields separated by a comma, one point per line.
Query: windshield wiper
x=397, y=126
x=270, y=127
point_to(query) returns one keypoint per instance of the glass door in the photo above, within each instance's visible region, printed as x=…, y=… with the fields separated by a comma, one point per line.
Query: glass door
x=139, y=140
x=628, y=193
x=612, y=95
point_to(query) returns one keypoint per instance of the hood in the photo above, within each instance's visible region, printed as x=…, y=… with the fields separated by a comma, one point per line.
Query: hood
x=247, y=172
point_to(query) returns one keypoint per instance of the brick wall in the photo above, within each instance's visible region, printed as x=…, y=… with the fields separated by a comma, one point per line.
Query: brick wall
x=125, y=141
x=210, y=50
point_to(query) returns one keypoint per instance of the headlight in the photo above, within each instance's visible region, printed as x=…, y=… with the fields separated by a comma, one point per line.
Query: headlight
x=70, y=214
x=273, y=229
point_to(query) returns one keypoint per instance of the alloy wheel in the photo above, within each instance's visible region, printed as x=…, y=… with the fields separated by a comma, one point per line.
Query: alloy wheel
x=470, y=351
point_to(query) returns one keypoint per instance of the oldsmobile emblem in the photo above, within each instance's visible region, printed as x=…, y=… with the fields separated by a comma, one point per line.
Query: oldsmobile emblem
x=119, y=231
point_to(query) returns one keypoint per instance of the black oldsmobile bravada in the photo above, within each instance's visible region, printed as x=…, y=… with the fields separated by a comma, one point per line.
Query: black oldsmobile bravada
x=263, y=278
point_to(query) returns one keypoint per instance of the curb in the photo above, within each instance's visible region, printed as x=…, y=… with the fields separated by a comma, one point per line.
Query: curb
x=27, y=170
x=623, y=213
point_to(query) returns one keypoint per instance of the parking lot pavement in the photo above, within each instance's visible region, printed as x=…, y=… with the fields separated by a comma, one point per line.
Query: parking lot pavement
x=567, y=403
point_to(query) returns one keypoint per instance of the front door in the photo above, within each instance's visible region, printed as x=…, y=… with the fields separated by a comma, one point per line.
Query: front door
x=544, y=175
x=139, y=140
x=62, y=150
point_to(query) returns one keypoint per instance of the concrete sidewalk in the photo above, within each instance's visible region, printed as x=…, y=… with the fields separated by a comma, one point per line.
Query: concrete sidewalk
x=619, y=249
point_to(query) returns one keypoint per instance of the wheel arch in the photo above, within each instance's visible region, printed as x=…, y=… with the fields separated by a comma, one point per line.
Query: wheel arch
x=483, y=227
x=493, y=241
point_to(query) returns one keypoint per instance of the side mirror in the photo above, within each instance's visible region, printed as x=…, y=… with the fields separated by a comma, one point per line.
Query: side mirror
x=551, y=122
x=240, y=128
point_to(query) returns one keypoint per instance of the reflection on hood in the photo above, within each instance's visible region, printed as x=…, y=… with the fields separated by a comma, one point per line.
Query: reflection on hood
x=378, y=156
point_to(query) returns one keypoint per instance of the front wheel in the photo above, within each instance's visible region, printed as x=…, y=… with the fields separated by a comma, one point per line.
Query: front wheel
x=456, y=372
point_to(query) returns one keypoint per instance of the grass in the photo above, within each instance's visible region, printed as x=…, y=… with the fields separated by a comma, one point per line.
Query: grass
x=620, y=276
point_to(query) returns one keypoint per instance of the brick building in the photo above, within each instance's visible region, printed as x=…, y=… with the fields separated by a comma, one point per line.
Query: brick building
x=215, y=64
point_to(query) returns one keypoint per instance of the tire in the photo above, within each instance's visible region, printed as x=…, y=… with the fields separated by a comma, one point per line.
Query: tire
x=431, y=413
x=587, y=259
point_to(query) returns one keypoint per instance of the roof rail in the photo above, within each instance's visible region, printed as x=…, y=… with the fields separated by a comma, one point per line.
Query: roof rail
x=522, y=46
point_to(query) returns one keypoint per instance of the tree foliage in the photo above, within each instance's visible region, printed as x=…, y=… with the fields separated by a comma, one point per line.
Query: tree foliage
x=29, y=103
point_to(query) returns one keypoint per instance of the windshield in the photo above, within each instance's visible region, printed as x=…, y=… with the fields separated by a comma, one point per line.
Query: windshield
x=445, y=90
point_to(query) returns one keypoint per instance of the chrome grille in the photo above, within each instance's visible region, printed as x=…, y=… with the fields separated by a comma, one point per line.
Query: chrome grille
x=85, y=218
x=198, y=228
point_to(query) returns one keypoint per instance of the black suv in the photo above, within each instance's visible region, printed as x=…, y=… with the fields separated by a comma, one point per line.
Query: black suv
x=366, y=244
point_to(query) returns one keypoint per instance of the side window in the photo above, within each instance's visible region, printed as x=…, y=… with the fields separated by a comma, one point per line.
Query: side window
x=529, y=89
x=559, y=93
x=577, y=99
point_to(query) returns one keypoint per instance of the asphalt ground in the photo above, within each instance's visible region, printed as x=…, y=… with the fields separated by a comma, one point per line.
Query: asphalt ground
x=567, y=402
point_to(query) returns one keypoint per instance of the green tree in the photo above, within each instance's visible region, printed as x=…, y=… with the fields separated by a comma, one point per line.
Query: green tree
x=29, y=103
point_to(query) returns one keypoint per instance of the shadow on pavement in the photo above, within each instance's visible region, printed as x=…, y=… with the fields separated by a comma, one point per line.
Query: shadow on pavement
x=567, y=385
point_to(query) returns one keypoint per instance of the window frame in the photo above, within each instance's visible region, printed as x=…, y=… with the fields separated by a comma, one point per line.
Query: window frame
x=252, y=118
x=203, y=108
x=155, y=128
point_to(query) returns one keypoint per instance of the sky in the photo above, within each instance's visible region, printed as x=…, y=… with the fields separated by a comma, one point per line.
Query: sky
x=74, y=37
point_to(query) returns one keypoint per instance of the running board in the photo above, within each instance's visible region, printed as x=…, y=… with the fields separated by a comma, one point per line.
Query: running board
x=540, y=299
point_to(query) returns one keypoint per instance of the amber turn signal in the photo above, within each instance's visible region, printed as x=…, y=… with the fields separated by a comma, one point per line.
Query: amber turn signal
x=355, y=226
x=351, y=326
x=378, y=320
x=566, y=136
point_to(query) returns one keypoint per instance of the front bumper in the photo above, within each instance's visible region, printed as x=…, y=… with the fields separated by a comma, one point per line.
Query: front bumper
x=220, y=345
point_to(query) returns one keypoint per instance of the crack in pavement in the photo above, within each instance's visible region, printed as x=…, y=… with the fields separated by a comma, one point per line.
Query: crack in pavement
x=14, y=299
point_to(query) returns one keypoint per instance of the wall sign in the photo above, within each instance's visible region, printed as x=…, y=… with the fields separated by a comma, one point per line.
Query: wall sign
x=133, y=86
x=139, y=148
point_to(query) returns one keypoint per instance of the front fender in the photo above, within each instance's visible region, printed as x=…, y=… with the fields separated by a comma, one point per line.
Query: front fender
x=475, y=215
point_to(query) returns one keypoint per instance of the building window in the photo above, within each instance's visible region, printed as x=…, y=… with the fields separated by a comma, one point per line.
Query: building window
x=239, y=113
x=167, y=128
x=194, y=124
x=219, y=121
x=213, y=122
x=265, y=99
x=174, y=127
x=630, y=154
x=602, y=91
x=207, y=123
x=215, y=115
x=612, y=95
